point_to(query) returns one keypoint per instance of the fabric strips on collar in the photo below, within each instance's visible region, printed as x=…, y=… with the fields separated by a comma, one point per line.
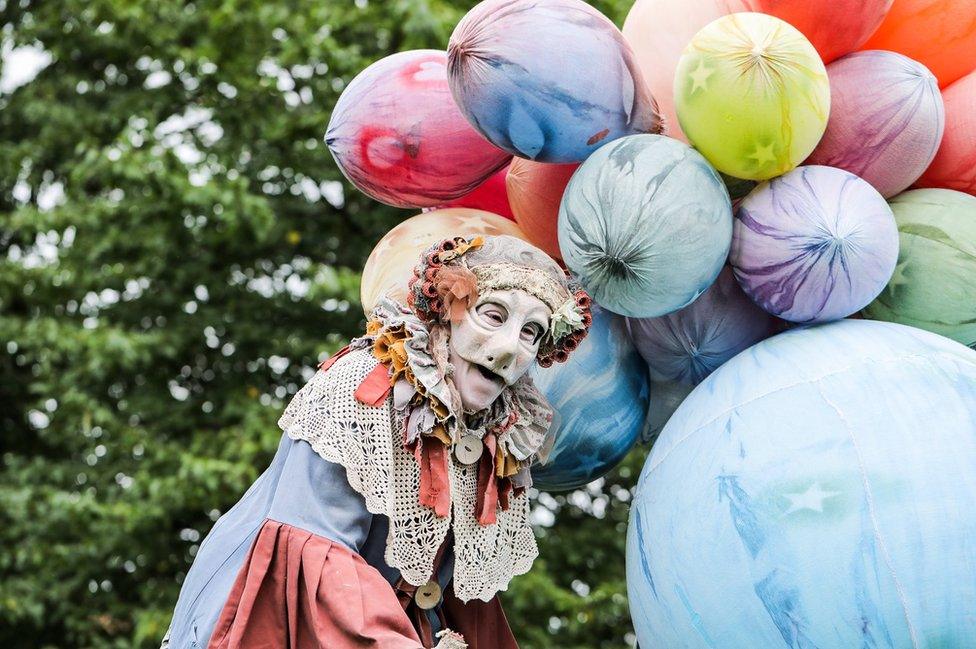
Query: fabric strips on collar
x=403, y=343
x=512, y=431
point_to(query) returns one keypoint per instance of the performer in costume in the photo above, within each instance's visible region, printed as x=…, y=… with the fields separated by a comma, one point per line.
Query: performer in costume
x=395, y=508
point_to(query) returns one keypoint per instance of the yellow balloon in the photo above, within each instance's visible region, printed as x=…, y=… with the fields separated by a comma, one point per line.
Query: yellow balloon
x=752, y=95
x=390, y=265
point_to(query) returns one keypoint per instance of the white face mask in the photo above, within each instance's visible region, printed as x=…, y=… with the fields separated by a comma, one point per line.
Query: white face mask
x=495, y=344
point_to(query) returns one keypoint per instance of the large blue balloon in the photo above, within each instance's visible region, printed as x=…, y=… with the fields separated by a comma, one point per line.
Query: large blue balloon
x=646, y=224
x=600, y=397
x=818, y=490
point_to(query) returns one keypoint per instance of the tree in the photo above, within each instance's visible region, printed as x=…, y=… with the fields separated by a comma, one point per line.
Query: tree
x=177, y=250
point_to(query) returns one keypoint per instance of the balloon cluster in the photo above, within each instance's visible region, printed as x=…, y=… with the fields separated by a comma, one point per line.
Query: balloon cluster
x=715, y=173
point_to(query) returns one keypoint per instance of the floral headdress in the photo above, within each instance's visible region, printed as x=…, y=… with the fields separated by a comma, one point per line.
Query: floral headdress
x=452, y=273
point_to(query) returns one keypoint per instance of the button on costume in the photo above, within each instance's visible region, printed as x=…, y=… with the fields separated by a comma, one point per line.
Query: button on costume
x=390, y=516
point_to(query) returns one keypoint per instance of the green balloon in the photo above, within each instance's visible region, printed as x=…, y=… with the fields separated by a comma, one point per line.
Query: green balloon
x=934, y=284
x=752, y=95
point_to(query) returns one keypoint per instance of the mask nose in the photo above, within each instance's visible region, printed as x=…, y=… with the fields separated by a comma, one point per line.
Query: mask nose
x=502, y=349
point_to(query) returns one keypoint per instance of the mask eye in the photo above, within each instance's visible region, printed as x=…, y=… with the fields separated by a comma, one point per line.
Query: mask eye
x=531, y=332
x=493, y=314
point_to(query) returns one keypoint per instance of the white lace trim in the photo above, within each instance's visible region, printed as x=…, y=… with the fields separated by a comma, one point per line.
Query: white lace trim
x=450, y=640
x=368, y=442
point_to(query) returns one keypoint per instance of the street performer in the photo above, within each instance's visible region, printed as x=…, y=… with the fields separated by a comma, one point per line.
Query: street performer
x=395, y=508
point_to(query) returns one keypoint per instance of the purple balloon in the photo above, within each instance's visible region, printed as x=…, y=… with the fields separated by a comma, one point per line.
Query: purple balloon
x=814, y=245
x=689, y=344
x=886, y=119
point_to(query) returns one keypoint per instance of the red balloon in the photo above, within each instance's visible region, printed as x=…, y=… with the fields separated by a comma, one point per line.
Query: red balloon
x=939, y=34
x=954, y=166
x=490, y=196
x=535, y=190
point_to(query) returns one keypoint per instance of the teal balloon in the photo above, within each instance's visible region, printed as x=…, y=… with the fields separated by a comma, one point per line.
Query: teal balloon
x=600, y=398
x=645, y=224
x=817, y=490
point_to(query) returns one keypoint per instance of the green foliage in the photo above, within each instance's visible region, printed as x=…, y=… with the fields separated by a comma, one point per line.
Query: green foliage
x=177, y=249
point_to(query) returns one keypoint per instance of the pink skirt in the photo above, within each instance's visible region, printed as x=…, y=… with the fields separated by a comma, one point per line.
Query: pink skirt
x=298, y=590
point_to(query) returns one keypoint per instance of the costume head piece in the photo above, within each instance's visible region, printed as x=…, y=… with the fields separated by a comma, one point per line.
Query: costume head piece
x=452, y=273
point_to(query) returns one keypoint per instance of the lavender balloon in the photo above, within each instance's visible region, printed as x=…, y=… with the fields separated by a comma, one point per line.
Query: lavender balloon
x=684, y=347
x=691, y=343
x=813, y=245
x=548, y=80
x=886, y=119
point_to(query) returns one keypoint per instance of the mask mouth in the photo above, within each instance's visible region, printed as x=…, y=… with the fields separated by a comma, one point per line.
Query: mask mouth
x=488, y=374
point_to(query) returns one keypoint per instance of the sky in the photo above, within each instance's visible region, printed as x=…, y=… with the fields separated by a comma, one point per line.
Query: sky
x=20, y=65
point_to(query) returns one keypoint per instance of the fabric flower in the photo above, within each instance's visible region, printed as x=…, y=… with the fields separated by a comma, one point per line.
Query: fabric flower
x=566, y=319
x=457, y=287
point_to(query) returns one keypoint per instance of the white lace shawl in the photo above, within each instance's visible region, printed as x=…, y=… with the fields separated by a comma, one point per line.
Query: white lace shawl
x=368, y=442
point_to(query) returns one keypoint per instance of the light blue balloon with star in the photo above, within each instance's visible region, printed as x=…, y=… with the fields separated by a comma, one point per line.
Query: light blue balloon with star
x=816, y=491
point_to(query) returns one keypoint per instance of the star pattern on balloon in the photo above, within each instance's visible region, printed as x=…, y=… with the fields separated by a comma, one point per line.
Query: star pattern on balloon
x=763, y=154
x=699, y=77
x=898, y=277
x=810, y=500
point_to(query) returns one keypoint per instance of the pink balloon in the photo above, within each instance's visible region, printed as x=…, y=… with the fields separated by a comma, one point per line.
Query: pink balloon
x=886, y=119
x=658, y=31
x=954, y=166
x=397, y=134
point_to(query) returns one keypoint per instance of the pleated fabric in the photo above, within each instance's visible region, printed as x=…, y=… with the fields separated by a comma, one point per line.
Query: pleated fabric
x=298, y=590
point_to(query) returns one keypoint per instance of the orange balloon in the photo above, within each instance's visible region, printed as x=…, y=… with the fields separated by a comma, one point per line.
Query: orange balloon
x=534, y=191
x=954, y=166
x=834, y=27
x=939, y=34
x=390, y=265
x=659, y=30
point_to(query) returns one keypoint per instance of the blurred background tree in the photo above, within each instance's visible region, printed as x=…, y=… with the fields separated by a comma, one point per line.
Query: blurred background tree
x=177, y=250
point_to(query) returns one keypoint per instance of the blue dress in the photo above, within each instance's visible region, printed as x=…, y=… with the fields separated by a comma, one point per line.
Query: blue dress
x=300, y=489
